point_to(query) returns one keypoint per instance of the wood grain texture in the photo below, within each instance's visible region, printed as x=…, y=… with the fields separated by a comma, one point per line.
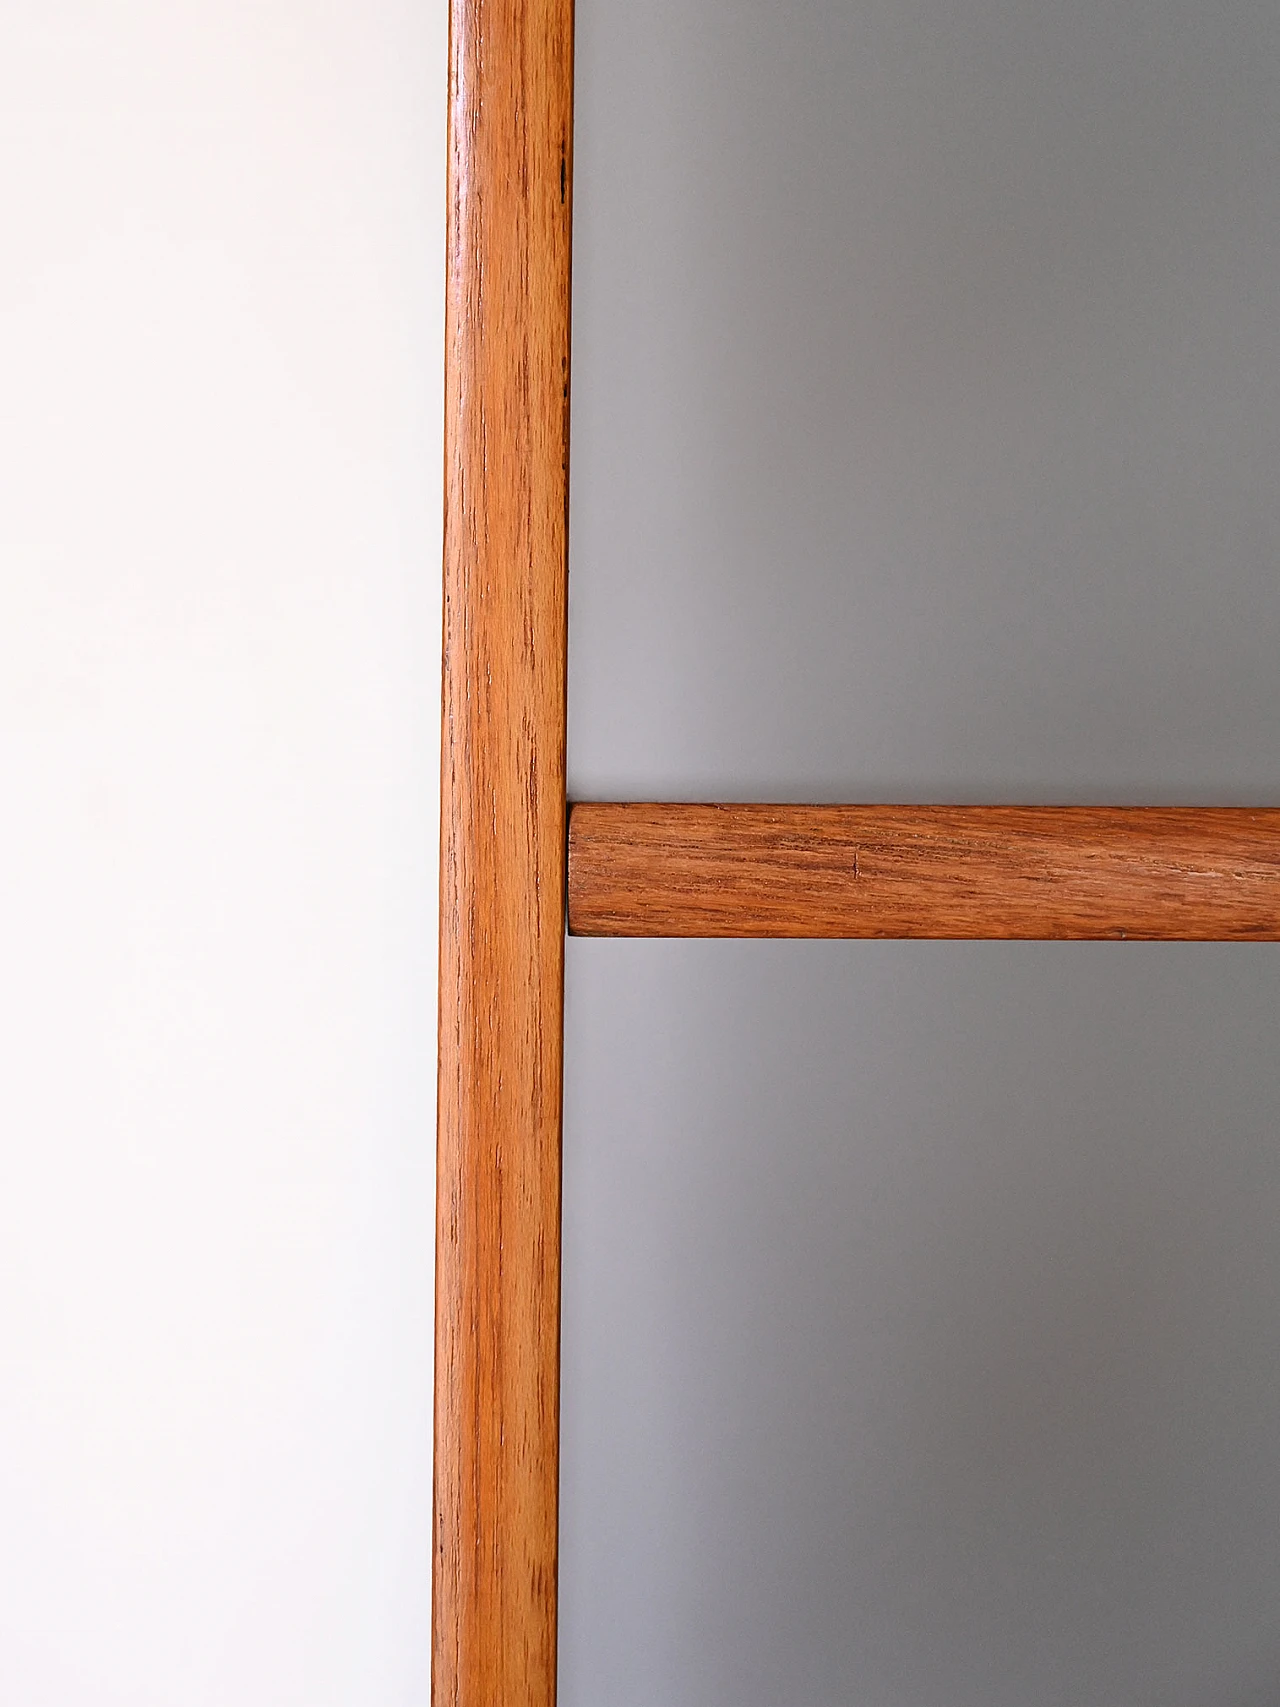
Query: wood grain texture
x=1189, y=874
x=502, y=865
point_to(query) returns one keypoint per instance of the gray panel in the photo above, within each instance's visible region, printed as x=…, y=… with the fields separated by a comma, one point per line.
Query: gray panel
x=922, y=1302
x=922, y=1326
x=927, y=400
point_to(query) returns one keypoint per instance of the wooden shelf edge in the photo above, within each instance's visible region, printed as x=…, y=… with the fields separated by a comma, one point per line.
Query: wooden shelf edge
x=502, y=855
x=1063, y=873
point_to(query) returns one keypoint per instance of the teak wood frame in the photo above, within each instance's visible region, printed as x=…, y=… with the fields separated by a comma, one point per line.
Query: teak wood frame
x=507, y=863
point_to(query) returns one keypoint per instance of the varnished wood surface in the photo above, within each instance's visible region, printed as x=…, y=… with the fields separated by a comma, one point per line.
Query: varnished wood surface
x=502, y=856
x=1189, y=874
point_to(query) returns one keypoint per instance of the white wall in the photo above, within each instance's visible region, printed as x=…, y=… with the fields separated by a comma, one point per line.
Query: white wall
x=220, y=352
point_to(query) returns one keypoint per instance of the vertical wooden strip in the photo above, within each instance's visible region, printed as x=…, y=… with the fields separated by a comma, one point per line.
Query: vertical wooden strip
x=502, y=873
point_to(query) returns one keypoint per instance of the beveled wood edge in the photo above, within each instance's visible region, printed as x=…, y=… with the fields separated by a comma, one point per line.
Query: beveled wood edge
x=502, y=862
x=1064, y=873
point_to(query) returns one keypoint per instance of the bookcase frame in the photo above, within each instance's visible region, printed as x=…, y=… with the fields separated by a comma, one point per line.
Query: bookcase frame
x=517, y=867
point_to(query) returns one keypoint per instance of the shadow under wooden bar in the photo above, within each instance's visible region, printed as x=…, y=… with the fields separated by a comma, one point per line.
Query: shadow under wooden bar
x=1191, y=874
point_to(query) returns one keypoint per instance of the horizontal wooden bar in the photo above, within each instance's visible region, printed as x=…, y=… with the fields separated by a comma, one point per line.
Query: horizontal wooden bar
x=1190, y=874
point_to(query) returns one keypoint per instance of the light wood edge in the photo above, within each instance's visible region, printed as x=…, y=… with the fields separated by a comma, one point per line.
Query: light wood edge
x=502, y=866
